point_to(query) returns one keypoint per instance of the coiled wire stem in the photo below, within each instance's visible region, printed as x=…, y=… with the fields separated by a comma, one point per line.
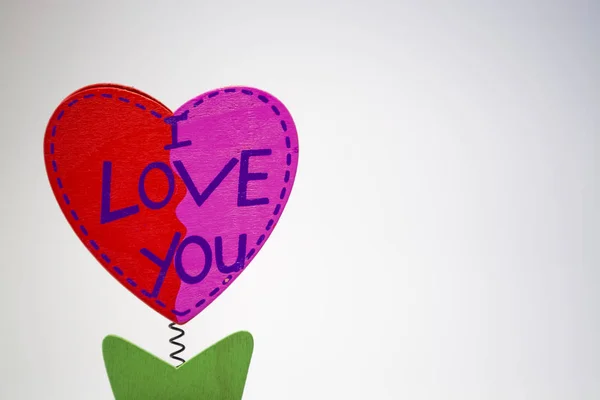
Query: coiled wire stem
x=173, y=355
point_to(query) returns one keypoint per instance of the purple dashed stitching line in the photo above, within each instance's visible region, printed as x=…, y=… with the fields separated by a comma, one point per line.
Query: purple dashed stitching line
x=269, y=224
x=157, y=115
x=131, y=282
x=198, y=304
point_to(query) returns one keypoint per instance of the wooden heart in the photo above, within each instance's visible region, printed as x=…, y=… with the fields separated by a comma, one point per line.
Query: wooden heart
x=174, y=205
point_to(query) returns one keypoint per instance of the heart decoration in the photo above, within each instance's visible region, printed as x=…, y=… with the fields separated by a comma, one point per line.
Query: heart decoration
x=174, y=205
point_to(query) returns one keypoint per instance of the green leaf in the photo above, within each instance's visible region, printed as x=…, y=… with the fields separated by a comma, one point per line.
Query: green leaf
x=218, y=373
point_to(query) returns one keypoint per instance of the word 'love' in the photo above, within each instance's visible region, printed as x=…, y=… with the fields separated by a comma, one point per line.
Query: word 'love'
x=107, y=215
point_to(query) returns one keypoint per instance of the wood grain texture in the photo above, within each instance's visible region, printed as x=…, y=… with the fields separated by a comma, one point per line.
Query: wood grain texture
x=174, y=205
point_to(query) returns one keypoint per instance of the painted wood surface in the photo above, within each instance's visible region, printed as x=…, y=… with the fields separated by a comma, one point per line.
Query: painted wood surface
x=174, y=205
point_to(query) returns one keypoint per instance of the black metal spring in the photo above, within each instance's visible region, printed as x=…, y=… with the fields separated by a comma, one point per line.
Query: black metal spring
x=173, y=355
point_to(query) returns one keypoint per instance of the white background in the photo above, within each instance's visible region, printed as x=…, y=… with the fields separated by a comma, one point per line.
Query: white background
x=441, y=240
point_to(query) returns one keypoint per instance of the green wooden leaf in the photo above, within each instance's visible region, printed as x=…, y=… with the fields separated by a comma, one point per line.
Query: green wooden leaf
x=218, y=373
